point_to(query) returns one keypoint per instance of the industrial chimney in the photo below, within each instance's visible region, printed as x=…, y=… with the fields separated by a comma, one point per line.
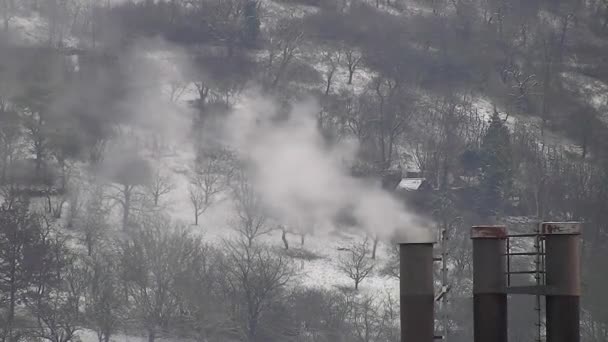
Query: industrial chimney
x=563, y=280
x=489, y=283
x=556, y=271
x=416, y=289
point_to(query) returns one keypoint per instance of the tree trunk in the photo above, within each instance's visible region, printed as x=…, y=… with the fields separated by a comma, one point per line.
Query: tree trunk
x=49, y=203
x=374, y=247
x=284, y=238
x=328, y=85
x=12, y=302
x=252, y=329
x=89, y=245
x=351, y=71
x=38, y=160
x=126, y=208
x=196, y=216
x=151, y=335
x=302, y=239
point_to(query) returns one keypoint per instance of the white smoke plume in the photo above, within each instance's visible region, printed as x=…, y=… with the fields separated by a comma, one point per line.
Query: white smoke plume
x=301, y=178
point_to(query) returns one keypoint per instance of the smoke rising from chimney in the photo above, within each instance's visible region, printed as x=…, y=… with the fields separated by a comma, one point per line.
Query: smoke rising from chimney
x=302, y=178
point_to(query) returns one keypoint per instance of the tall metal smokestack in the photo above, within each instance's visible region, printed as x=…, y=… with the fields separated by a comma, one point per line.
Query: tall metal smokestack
x=563, y=280
x=416, y=290
x=489, y=283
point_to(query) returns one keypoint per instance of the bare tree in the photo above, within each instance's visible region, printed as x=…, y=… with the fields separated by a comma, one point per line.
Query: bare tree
x=393, y=112
x=284, y=46
x=356, y=264
x=10, y=137
x=177, y=89
x=18, y=236
x=104, y=307
x=130, y=175
x=251, y=219
x=357, y=116
x=332, y=61
x=208, y=181
x=353, y=59
x=200, y=201
x=153, y=261
x=93, y=221
x=224, y=21
x=373, y=320
x=522, y=87
x=159, y=185
x=258, y=276
x=35, y=127
x=284, y=236
x=301, y=227
x=57, y=288
x=204, y=287
x=392, y=265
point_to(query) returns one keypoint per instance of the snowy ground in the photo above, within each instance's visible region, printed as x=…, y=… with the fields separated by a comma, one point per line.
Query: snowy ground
x=594, y=91
x=34, y=30
x=321, y=272
x=215, y=226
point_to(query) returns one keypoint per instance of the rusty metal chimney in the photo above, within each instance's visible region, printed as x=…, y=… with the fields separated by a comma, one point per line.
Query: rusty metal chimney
x=416, y=289
x=563, y=280
x=489, y=283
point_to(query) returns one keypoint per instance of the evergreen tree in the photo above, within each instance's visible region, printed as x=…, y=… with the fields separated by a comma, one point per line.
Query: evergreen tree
x=496, y=167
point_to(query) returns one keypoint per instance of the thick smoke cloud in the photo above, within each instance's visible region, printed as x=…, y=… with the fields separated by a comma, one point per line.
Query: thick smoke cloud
x=301, y=178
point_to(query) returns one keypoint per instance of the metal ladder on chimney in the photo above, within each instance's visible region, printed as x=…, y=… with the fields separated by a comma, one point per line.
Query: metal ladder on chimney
x=538, y=289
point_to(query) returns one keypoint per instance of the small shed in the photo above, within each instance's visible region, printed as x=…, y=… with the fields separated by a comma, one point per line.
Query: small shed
x=413, y=184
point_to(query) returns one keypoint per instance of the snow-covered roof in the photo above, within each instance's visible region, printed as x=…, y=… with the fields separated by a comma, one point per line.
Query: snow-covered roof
x=410, y=184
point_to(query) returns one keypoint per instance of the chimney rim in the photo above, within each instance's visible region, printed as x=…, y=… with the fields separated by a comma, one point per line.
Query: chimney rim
x=423, y=237
x=561, y=228
x=489, y=232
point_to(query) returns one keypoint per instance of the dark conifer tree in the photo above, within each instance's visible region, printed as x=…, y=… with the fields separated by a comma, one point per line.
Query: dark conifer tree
x=496, y=167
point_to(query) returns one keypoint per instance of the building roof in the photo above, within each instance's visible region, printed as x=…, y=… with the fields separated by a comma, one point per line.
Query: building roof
x=410, y=184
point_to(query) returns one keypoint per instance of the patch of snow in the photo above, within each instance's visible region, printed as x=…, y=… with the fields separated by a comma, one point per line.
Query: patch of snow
x=273, y=11
x=34, y=30
x=594, y=91
x=410, y=184
x=30, y=30
x=361, y=78
x=485, y=108
x=87, y=335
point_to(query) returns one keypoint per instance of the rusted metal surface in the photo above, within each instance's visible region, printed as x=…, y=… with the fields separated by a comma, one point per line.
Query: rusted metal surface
x=562, y=264
x=567, y=228
x=489, y=266
x=416, y=292
x=489, y=284
x=563, y=279
x=489, y=232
